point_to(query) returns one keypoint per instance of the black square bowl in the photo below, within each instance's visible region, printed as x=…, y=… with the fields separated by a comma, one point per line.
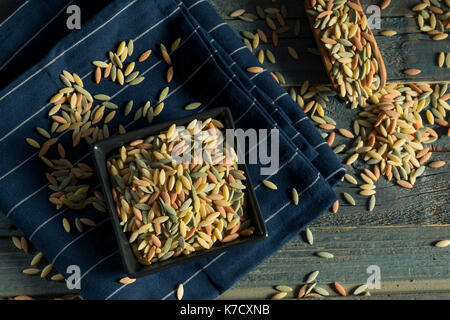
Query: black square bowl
x=105, y=148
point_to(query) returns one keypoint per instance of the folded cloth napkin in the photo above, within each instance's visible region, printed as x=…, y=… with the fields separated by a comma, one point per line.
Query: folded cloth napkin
x=27, y=30
x=210, y=66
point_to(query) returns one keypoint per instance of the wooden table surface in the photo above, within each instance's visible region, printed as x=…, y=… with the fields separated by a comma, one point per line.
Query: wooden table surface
x=397, y=236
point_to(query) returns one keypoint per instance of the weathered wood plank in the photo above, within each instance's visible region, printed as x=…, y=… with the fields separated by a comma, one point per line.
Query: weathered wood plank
x=296, y=9
x=407, y=260
x=406, y=50
x=13, y=282
x=389, y=291
x=427, y=203
x=409, y=49
x=400, y=24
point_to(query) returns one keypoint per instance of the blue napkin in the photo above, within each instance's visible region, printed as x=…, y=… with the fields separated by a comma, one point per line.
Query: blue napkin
x=27, y=32
x=209, y=67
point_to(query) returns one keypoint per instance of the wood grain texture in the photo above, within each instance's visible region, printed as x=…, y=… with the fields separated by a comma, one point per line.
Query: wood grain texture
x=426, y=203
x=405, y=254
x=13, y=282
x=295, y=7
x=398, y=235
x=410, y=48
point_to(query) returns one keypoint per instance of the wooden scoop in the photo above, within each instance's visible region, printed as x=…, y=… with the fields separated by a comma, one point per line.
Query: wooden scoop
x=359, y=40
